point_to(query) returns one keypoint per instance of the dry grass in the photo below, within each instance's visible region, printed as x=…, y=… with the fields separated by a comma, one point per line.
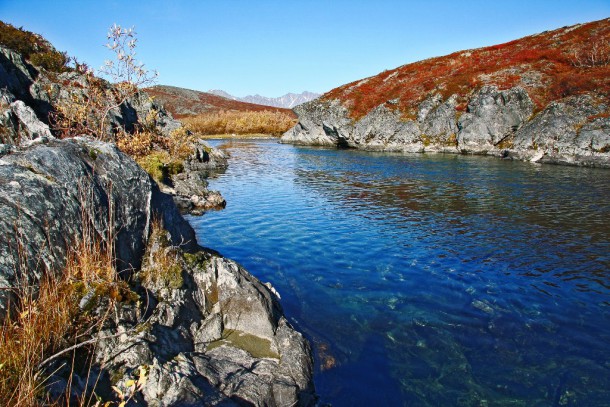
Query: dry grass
x=48, y=317
x=240, y=122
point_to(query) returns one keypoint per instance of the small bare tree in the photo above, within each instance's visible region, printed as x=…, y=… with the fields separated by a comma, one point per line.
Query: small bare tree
x=87, y=111
x=125, y=71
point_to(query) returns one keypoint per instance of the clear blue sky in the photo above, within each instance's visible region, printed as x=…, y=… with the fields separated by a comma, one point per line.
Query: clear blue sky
x=274, y=47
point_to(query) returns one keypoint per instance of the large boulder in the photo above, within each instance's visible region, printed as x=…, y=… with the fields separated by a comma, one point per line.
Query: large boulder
x=323, y=123
x=49, y=191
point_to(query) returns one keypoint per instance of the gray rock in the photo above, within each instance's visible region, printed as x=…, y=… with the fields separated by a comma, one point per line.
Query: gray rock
x=439, y=124
x=572, y=131
x=564, y=133
x=33, y=128
x=320, y=123
x=16, y=75
x=79, y=180
x=493, y=116
x=238, y=348
x=205, y=158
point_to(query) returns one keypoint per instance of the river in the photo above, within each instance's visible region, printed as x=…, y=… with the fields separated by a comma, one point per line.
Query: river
x=428, y=280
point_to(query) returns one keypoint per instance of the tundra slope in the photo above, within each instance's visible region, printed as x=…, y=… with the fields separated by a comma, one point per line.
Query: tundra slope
x=544, y=98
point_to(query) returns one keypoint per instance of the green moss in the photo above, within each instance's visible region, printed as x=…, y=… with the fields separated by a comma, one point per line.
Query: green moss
x=425, y=140
x=153, y=165
x=160, y=165
x=163, y=266
x=118, y=291
x=143, y=327
x=94, y=153
x=175, y=167
x=117, y=375
x=255, y=346
x=198, y=259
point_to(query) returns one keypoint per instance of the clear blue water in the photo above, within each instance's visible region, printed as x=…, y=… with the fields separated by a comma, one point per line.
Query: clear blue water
x=428, y=280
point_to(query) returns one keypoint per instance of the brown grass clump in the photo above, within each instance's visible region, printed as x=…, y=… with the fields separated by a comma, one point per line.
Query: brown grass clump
x=49, y=319
x=240, y=122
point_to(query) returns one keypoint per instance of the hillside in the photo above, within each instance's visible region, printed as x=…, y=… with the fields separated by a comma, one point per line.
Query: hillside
x=484, y=101
x=287, y=101
x=186, y=102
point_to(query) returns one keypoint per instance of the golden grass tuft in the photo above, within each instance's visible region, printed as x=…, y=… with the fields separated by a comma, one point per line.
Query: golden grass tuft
x=47, y=319
x=240, y=122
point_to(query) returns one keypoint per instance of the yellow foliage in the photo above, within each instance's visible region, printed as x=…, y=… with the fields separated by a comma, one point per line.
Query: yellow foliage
x=138, y=144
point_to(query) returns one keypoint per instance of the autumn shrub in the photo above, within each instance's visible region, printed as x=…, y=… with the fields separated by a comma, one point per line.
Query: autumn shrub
x=33, y=48
x=138, y=144
x=88, y=111
x=550, y=65
x=240, y=122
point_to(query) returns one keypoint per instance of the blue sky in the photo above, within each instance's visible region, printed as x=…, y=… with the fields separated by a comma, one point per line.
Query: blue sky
x=274, y=47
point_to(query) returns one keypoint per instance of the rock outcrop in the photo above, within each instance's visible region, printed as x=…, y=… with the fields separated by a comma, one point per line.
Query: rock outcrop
x=49, y=191
x=574, y=130
x=206, y=330
x=27, y=99
x=543, y=98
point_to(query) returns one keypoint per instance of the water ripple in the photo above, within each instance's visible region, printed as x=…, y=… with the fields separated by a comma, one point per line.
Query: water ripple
x=433, y=280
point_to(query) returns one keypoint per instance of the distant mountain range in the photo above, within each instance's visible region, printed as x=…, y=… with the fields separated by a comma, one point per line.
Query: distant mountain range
x=288, y=101
x=186, y=102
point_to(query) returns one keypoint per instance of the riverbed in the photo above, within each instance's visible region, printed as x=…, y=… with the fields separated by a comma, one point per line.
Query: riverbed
x=428, y=279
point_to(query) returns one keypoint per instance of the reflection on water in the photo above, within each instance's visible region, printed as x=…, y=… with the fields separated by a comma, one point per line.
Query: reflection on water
x=428, y=279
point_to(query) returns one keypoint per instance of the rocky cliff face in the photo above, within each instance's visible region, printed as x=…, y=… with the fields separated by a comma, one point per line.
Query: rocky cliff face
x=204, y=330
x=27, y=99
x=530, y=99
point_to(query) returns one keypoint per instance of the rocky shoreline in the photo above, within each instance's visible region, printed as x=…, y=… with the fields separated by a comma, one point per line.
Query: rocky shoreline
x=571, y=131
x=204, y=330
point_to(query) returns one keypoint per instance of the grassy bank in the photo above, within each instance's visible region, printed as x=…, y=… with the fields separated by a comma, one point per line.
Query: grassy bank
x=242, y=123
x=239, y=136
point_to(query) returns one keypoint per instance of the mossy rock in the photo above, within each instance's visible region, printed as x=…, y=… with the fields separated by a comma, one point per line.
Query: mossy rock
x=255, y=346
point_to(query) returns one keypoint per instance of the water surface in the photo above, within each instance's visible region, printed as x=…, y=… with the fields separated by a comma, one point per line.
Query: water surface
x=428, y=280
